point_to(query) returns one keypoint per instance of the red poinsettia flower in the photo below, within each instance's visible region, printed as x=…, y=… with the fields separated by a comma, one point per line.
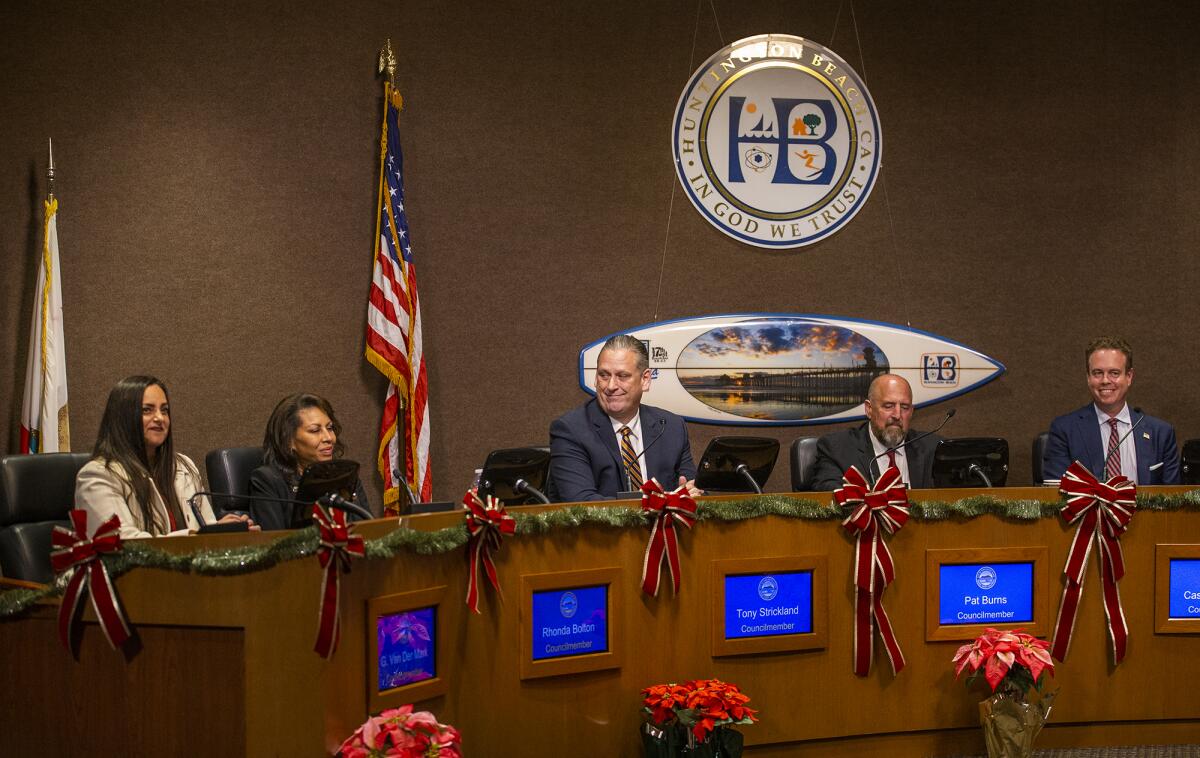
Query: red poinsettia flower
x=998, y=651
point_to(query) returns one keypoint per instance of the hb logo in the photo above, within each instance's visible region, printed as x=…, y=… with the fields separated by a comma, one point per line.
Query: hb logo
x=939, y=370
x=790, y=132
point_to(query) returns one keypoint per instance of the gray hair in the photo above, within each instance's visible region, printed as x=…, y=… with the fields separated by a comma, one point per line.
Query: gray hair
x=629, y=342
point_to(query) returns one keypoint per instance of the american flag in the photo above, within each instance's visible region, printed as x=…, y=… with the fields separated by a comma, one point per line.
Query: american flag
x=394, y=328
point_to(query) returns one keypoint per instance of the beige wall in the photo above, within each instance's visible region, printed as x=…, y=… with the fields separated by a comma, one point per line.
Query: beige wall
x=217, y=172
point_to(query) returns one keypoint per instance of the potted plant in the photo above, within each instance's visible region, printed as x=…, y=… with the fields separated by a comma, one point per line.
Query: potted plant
x=1014, y=665
x=694, y=719
x=401, y=732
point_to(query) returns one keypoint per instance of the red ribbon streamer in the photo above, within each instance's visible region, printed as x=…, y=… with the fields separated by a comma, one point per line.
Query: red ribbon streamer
x=883, y=508
x=336, y=548
x=667, y=509
x=486, y=525
x=79, y=557
x=1104, y=511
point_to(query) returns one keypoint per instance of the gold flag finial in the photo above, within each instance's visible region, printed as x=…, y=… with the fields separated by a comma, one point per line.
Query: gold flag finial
x=50, y=169
x=387, y=61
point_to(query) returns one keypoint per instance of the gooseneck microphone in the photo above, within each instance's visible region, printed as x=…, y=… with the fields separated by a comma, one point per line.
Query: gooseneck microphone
x=949, y=415
x=744, y=470
x=522, y=487
x=662, y=425
x=332, y=500
x=1124, y=436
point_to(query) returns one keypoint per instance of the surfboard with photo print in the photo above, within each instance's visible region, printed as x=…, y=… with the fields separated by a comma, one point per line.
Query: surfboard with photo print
x=783, y=369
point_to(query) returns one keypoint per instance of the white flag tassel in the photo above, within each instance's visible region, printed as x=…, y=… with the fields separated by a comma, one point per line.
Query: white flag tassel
x=45, y=427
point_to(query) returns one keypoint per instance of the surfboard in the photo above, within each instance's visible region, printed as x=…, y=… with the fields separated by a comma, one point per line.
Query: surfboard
x=784, y=369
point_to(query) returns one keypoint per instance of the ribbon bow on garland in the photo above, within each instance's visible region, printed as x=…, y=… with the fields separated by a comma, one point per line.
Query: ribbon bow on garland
x=77, y=556
x=486, y=525
x=882, y=508
x=667, y=509
x=337, y=546
x=1103, y=510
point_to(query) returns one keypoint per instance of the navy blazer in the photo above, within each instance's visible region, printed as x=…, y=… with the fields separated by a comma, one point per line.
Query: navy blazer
x=838, y=451
x=1076, y=437
x=585, y=460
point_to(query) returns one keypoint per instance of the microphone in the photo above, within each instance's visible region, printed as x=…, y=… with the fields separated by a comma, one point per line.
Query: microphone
x=412, y=496
x=977, y=471
x=745, y=472
x=949, y=415
x=334, y=500
x=661, y=424
x=331, y=500
x=522, y=487
x=1124, y=436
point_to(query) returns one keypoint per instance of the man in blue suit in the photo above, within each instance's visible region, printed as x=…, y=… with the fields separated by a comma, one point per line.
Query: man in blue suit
x=1097, y=435
x=613, y=443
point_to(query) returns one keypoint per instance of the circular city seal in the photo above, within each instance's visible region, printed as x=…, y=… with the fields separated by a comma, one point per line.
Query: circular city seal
x=768, y=588
x=568, y=604
x=985, y=578
x=776, y=141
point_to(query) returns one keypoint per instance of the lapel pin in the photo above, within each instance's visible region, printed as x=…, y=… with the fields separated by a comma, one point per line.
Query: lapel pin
x=1146, y=435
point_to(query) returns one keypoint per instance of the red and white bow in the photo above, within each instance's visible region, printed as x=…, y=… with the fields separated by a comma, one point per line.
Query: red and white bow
x=337, y=547
x=667, y=510
x=486, y=525
x=875, y=511
x=1103, y=510
x=74, y=554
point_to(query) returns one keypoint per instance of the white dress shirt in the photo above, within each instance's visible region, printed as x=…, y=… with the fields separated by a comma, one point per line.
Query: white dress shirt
x=635, y=439
x=1128, y=449
x=881, y=460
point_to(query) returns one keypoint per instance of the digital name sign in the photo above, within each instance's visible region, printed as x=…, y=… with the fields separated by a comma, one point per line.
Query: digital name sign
x=570, y=622
x=407, y=643
x=766, y=605
x=985, y=593
x=1185, y=588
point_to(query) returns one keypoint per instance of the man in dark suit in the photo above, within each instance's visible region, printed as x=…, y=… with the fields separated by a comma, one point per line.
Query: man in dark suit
x=889, y=409
x=613, y=443
x=1097, y=435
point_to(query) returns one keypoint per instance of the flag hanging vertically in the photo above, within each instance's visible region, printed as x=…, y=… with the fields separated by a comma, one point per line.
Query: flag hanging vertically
x=394, y=328
x=44, y=423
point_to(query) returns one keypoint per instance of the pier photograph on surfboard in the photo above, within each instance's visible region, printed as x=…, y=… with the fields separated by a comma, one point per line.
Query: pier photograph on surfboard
x=791, y=369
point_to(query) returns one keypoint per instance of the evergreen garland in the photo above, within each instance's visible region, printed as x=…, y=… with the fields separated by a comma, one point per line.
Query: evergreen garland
x=303, y=543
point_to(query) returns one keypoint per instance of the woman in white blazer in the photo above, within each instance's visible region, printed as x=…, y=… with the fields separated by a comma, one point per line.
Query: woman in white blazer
x=135, y=472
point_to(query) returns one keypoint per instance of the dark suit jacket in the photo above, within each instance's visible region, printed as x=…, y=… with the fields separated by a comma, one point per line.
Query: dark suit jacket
x=269, y=481
x=1076, y=437
x=838, y=451
x=585, y=460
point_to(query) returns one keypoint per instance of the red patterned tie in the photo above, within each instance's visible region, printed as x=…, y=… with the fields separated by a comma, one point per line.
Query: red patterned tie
x=1113, y=467
x=632, y=466
x=891, y=458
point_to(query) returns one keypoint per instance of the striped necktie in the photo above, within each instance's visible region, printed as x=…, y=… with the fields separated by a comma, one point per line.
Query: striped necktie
x=632, y=467
x=1113, y=466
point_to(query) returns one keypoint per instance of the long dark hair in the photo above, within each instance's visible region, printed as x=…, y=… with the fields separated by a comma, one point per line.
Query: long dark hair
x=122, y=440
x=281, y=430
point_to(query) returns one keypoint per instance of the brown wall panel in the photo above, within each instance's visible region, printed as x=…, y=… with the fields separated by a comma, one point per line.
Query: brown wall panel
x=217, y=172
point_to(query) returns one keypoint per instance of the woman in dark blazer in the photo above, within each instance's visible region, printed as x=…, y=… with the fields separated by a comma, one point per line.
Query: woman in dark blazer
x=302, y=430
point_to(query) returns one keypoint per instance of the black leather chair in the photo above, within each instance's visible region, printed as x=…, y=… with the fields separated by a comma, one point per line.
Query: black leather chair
x=36, y=492
x=1039, y=457
x=1191, y=461
x=229, y=471
x=804, y=455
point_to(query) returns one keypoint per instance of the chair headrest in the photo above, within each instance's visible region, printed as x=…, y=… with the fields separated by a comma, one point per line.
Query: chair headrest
x=38, y=487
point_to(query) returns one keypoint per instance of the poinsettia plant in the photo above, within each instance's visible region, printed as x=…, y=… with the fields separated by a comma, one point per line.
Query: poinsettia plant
x=401, y=732
x=700, y=705
x=1011, y=662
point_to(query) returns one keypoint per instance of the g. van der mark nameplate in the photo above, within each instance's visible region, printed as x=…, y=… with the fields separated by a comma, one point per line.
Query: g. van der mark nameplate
x=776, y=141
x=787, y=369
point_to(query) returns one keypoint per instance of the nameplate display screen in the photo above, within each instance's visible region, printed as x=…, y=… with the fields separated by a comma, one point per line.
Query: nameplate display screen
x=407, y=644
x=1185, y=588
x=570, y=622
x=767, y=605
x=985, y=593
